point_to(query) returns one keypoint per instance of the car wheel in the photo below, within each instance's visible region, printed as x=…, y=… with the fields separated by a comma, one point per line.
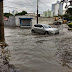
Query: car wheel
x=57, y=33
x=32, y=31
x=46, y=33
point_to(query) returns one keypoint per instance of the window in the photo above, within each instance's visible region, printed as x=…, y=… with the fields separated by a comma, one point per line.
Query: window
x=47, y=26
x=38, y=26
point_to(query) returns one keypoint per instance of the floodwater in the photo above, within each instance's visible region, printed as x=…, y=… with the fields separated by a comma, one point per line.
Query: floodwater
x=40, y=53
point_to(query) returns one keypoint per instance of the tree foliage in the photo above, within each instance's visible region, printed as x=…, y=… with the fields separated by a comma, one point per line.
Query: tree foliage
x=7, y=14
x=66, y=17
x=69, y=11
x=21, y=13
x=68, y=14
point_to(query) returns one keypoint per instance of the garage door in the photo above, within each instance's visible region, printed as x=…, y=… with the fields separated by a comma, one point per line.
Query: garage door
x=25, y=22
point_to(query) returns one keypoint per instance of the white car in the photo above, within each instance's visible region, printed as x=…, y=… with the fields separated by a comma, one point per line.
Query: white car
x=44, y=29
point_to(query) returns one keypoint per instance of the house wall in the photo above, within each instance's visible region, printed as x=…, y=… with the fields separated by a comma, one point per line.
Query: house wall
x=17, y=20
x=42, y=20
x=5, y=23
x=11, y=21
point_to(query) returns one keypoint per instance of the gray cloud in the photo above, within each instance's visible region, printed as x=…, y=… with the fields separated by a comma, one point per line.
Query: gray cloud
x=27, y=5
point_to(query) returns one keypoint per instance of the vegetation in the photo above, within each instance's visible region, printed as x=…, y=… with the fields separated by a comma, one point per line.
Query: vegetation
x=66, y=17
x=70, y=25
x=7, y=15
x=69, y=11
x=21, y=13
x=68, y=14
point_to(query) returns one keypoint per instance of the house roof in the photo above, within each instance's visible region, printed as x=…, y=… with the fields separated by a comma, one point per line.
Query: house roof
x=5, y=18
x=26, y=18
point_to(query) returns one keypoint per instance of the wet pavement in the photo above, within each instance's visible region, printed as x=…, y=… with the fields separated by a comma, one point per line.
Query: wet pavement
x=40, y=53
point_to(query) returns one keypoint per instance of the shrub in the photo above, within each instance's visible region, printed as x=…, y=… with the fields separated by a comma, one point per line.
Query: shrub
x=70, y=25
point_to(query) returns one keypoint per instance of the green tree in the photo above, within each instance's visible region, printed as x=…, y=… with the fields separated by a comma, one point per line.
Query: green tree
x=69, y=11
x=7, y=14
x=68, y=14
x=21, y=13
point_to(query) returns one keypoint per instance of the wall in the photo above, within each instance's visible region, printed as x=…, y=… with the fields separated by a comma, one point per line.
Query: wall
x=5, y=23
x=15, y=21
x=11, y=21
x=45, y=20
x=42, y=20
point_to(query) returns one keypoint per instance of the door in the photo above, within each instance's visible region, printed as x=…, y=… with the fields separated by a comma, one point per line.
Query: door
x=25, y=22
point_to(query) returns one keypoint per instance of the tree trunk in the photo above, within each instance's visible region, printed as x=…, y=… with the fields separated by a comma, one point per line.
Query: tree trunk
x=1, y=22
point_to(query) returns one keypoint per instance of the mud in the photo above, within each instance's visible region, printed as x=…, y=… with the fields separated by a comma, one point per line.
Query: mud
x=40, y=53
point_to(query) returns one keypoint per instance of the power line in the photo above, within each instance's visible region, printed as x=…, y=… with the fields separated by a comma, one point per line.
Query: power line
x=19, y=3
x=44, y=3
x=22, y=4
x=29, y=4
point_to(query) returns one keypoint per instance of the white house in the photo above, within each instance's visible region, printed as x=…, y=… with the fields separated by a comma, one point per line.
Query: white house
x=28, y=20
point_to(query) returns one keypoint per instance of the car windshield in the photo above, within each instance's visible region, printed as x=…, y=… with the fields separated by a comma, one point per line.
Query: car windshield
x=47, y=26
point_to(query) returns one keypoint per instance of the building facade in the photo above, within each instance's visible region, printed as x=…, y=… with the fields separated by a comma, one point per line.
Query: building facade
x=57, y=8
x=48, y=14
x=28, y=20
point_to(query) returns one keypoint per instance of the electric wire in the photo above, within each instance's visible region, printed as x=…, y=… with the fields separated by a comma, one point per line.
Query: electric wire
x=28, y=4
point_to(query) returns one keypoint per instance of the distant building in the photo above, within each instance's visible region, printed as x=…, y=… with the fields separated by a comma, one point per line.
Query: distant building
x=31, y=14
x=28, y=20
x=57, y=8
x=60, y=8
x=48, y=14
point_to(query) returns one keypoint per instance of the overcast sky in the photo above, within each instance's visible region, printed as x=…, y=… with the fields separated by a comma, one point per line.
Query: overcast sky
x=27, y=5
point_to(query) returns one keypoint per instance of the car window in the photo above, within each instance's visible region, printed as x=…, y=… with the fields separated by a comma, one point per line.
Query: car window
x=38, y=26
x=47, y=26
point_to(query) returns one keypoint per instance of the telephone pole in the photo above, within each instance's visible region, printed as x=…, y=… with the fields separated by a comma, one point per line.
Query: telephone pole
x=1, y=22
x=37, y=11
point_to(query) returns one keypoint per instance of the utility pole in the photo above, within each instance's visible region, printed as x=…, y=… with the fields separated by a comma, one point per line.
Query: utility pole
x=37, y=11
x=1, y=22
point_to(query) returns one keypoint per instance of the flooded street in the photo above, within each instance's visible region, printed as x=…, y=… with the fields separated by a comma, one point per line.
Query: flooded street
x=40, y=53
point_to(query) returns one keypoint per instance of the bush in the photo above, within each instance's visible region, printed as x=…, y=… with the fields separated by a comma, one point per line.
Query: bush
x=70, y=18
x=66, y=16
x=70, y=25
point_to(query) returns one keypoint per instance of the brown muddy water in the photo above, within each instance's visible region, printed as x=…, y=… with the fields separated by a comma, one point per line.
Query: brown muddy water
x=40, y=53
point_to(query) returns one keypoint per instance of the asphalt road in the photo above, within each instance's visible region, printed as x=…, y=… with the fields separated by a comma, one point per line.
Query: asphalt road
x=40, y=53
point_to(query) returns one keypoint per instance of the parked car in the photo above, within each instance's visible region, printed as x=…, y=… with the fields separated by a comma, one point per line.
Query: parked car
x=44, y=29
x=68, y=22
